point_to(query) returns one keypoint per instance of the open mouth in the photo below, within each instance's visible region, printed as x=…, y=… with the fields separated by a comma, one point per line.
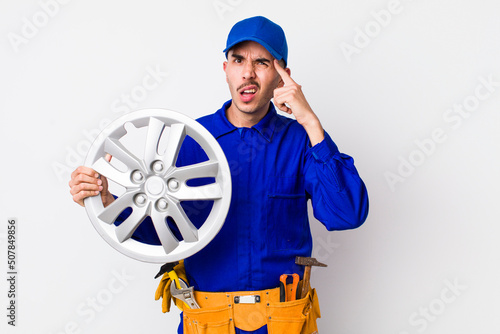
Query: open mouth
x=247, y=93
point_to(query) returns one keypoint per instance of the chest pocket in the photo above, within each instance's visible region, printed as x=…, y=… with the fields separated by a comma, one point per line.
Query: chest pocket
x=287, y=226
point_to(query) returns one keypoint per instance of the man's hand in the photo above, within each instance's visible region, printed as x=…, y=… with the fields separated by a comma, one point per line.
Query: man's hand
x=290, y=99
x=86, y=182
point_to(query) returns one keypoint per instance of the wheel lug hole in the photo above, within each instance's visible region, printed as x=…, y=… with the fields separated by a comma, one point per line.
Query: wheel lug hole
x=137, y=176
x=158, y=166
x=162, y=204
x=173, y=185
x=140, y=199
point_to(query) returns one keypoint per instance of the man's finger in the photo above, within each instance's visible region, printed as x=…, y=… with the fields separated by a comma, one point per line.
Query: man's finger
x=84, y=170
x=82, y=187
x=83, y=178
x=78, y=198
x=287, y=79
x=280, y=103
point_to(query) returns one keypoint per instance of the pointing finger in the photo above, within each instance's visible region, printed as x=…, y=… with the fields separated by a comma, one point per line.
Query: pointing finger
x=287, y=79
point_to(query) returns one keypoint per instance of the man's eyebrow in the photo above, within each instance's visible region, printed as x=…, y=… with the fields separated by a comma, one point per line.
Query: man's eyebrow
x=257, y=60
x=263, y=60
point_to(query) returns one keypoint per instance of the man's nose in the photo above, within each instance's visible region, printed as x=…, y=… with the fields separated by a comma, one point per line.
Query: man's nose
x=249, y=71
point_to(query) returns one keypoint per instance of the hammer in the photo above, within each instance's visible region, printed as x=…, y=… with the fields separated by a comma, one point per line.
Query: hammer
x=308, y=262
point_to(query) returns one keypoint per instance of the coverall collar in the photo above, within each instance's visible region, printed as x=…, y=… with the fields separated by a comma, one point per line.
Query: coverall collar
x=265, y=127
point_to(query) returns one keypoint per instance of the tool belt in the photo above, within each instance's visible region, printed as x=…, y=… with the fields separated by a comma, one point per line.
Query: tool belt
x=221, y=312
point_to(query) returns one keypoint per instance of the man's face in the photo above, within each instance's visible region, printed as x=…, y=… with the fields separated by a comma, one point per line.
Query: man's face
x=251, y=77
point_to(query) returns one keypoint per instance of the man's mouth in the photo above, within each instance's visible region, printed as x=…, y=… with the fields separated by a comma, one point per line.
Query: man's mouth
x=247, y=93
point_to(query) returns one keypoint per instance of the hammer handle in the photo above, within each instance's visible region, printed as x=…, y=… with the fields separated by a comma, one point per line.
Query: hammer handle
x=305, y=281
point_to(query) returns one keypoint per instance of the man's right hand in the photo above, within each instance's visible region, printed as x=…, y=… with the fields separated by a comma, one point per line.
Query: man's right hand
x=86, y=182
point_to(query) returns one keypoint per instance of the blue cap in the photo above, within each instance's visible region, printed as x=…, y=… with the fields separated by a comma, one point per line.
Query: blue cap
x=261, y=30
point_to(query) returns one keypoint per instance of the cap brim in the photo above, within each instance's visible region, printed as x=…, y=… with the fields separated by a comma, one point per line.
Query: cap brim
x=272, y=51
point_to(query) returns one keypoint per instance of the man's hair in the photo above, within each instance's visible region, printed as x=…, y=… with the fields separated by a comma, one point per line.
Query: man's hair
x=282, y=63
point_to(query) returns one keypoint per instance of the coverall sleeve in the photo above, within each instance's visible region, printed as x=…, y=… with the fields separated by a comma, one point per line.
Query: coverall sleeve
x=339, y=196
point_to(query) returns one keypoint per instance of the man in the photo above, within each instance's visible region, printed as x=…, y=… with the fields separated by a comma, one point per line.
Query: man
x=277, y=165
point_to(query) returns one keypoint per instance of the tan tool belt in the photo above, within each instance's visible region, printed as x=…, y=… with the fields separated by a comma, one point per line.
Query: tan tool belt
x=221, y=312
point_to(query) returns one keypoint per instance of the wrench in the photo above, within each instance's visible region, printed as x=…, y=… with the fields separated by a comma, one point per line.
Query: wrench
x=185, y=294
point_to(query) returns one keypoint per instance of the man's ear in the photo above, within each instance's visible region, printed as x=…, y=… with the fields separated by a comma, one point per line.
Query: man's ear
x=224, y=67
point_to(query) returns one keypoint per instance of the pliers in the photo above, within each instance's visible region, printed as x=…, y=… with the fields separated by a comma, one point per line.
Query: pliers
x=289, y=293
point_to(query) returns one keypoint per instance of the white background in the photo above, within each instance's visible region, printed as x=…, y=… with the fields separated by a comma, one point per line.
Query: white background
x=435, y=226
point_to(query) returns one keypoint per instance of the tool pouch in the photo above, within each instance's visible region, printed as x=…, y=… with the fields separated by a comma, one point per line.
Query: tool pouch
x=218, y=314
x=208, y=321
x=294, y=317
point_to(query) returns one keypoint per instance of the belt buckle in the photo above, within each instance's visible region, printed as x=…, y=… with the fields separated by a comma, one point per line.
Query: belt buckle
x=252, y=299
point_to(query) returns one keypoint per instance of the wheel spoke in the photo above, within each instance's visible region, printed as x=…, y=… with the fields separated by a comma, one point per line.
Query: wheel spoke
x=111, y=212
x=155, y=129
x=117, y=150
x=208, y=192
x=125, y=230
x=105, y=168
x=167, y=238
x=175, y=139
x=187, y=229
x=203, y=169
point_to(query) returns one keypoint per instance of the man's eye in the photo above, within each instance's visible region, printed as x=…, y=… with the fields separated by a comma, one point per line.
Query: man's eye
x=237, y=60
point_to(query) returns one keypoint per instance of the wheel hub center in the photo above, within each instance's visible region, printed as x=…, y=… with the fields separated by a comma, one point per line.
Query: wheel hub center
x=155, y=186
